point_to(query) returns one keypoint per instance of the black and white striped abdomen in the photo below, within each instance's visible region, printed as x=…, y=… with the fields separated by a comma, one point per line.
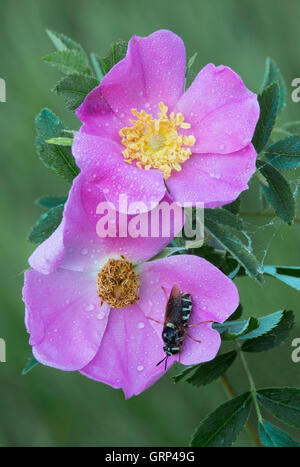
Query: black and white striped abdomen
x=186, y=306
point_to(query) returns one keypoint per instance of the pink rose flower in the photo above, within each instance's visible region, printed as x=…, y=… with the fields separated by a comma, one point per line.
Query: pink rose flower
x=140, y=125
x=88, y=300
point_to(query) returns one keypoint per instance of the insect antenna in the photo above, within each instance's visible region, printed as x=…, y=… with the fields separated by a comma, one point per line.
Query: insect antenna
x=163, y=360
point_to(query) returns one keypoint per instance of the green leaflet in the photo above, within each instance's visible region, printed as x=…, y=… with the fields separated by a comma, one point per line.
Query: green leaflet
x=238, y=250
x=32, y=362
x=285, y=153
x=58, y=159
x=210, y=371
x=74, y=88
x=46, y=225
x=278, y=192
x=272, y=74
x=292, y=127
x=277, y=334
x=51, y=201
x=231, y=330
x=116, y=53
x=62, y=42
x=224, y=217
x=188, y=70
x=60, y=141
x=290, y=275
x=69, y=61
x=272, y=437
x=250, y=328
x=96, y=62
x=268, y=103
x=283, y=403
x=222, y=426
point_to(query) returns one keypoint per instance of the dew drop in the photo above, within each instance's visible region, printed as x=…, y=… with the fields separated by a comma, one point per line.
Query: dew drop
x=89, y=307
x=140, y=368
x=141, y=325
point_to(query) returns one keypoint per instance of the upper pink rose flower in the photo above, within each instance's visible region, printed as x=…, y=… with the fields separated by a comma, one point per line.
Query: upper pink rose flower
x=88, y=300
x=140, y=126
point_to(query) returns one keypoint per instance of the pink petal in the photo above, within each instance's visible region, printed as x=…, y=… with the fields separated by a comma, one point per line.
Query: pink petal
x=103, y=161
x=152, y=71
x=84, y=247
x=63, y=317
x=49, y=255
x=128, y=354
x=213, y=179
x=222, y=112
x=214, y=298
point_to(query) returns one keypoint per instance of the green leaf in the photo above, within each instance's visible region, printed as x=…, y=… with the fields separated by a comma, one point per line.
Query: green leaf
x=292, y=127
x=74, y=88
x=290, y=275
x=51, y=201
x=274, y=336
x=187, y=370
x=237, y=314
x=272, y=437
x=235, y=247
x=222, y=426
x=62, y=42
x=46, y=225
x=278, y=192
x=285, y=153
x=231, y=330
x=224, y=217
x=272, y=74
x=210, y=371
x=268, y=103
x=188, y=70
x=96, y=62
x=58, y=159
x=283, y=403
x=116, y=53
x=234, y=207
x=32, y=362
x=60, y=141
x=69, y=61
x=249, y=328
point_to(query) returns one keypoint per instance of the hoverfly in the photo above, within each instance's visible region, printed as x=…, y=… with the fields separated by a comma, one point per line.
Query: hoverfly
x=177, y=314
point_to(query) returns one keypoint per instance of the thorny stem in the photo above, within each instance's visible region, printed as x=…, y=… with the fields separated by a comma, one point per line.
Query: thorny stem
x=231, y=394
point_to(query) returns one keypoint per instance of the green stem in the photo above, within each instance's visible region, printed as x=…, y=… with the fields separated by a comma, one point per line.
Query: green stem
x=252, y=433
x=252, y=387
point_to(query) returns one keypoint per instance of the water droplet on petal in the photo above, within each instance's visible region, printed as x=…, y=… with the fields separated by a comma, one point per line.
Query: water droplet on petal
x=140, y=368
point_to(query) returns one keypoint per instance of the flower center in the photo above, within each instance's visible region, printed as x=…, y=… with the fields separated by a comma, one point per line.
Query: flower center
x=118, y=283
x=155, y=143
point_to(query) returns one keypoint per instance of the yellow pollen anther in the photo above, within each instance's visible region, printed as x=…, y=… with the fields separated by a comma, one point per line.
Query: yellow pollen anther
x=156, y=143
x=118, y=283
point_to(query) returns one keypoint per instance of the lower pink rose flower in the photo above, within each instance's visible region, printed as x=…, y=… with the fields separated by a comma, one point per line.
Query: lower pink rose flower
x=88, y=300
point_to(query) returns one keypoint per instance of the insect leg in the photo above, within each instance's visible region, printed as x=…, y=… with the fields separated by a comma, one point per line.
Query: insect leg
x=152, y=319
x=195, y=340
x=165, y=292
x=202, y=322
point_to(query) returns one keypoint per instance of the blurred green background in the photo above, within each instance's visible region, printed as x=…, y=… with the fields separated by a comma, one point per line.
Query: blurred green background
x=50, y=407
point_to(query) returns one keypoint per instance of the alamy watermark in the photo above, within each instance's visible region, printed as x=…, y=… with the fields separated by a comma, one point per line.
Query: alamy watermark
x=161, y=220
x=2, y=90
x=2, y=351
x=295, y=355
x=296, y=92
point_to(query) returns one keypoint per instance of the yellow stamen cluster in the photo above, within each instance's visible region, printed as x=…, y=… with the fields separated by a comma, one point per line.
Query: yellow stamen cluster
x=118, y=283
x=155, y=143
